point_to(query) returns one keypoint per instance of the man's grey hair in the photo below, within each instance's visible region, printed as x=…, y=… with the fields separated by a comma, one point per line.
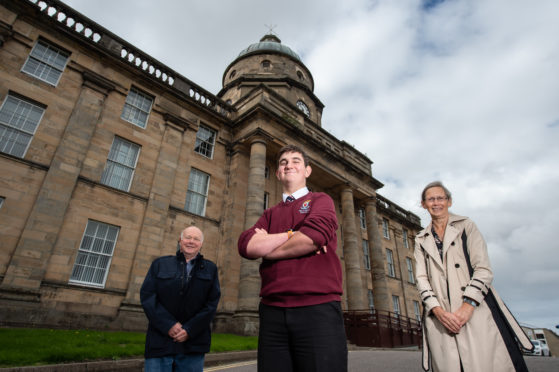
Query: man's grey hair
x=201, y=232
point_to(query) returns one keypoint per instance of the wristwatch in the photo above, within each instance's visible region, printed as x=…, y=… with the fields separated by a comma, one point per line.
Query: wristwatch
x=470, y=301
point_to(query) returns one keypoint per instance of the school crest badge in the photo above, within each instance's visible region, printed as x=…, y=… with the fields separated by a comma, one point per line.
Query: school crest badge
x=305, y=207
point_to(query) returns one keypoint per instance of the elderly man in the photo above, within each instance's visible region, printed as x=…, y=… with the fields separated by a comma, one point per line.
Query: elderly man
x=179, y=296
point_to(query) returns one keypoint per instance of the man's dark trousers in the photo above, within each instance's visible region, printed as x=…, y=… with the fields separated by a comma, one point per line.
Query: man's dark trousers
x=302, y=339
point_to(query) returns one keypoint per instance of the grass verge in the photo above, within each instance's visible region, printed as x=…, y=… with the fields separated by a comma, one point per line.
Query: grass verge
x=32, y=347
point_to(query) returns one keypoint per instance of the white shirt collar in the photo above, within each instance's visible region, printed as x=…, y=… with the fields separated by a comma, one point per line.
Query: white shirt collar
x=297, y=194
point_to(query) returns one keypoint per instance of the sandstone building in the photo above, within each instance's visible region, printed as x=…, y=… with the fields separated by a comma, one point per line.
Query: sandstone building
x=107, y=154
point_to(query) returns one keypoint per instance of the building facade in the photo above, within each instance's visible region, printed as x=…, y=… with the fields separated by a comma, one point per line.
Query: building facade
x=107, y=154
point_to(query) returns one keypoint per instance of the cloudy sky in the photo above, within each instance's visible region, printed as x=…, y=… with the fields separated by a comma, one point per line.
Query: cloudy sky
x=466, y=92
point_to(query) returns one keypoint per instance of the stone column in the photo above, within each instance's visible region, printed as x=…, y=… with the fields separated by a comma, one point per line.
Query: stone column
x=381, y=294
x=249, y=285
x=229, y=261
x=155, y=221
x=353, y=257
x=31, y=256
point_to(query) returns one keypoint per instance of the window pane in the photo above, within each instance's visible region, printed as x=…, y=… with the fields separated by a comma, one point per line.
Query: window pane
x=410, y=269
x=121, y=163
x=197, y=193
x=390, y=262
x=205, y=141
x=405, y=237
x=136, y=108
x=46, y=62
x=366, y=257
x=195, y=203
x=124, y=152
x=198, y=182
x=371, y=299
x=13, y=142
x=18, y=122
x=362, y=219
x=396, y=304
x=385, y=231
x=95, y=254
x=416, y=311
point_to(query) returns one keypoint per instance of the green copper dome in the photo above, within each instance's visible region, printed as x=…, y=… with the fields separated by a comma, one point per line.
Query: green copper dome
x=269, y=43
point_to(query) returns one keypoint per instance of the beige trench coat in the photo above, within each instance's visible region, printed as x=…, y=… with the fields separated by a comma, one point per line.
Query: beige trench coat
x=480, y=345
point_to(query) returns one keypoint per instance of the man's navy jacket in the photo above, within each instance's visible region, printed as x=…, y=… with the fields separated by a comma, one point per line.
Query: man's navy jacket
x=169, y=296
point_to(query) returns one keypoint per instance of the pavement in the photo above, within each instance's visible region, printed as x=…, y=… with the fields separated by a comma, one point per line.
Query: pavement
x=132, y=364
x=137, y=364
x=381, y=355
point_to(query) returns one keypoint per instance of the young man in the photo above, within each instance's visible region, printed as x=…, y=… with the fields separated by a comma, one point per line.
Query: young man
x=179, y=296
x=301, y=323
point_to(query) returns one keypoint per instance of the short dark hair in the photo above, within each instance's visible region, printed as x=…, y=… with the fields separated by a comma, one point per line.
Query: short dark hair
x=293, y=148
x=436, y=184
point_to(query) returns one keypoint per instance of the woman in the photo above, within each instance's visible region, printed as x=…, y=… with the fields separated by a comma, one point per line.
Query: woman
x=466, y=326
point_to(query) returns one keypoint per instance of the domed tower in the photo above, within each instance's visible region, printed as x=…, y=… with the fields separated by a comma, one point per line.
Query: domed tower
x=278, y=67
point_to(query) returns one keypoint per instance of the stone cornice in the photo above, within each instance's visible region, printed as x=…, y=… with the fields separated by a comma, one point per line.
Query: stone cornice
x=97, y=82
x=391, y=209
x=57, y=15
x=306, y=132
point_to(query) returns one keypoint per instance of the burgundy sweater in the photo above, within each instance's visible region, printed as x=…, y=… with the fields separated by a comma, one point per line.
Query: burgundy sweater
x=308, y=280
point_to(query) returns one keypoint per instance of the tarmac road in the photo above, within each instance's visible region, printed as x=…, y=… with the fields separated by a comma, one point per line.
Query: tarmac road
x=371, y=360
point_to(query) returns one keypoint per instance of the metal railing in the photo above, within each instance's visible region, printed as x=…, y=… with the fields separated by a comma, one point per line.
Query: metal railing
x=381, y=329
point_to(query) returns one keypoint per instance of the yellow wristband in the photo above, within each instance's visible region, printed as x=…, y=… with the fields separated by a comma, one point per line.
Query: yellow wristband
x=289, y=234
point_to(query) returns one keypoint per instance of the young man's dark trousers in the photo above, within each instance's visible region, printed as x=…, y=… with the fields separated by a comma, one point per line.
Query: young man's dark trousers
x=302, y=339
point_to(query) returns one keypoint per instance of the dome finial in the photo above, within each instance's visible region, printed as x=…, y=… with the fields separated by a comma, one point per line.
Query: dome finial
x=271, y=29
x=271, y=35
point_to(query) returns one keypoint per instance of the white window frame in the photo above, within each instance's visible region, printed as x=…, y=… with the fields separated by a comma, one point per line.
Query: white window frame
x=196, y=192
x=385, y=230
x=366, y=254
x=409, y=263
x=95, y=254
x=44, y=62
x=205, y=141
x=405, y=238
x=417, y=310
x=390, y=263
x=136, y=104
x=18, y=127
x=396, y=304
x=362, y=218
x=120, y=161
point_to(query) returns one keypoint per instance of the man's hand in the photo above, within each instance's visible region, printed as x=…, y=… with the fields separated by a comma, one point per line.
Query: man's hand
x=177, y=333
x=262, y=243
x=260, y=231
x=324, y=249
